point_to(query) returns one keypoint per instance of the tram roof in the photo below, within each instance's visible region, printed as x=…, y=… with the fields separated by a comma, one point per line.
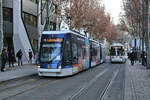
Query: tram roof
x=56, y=32
x=66, y=32
x=63, y=32
x=116, y=44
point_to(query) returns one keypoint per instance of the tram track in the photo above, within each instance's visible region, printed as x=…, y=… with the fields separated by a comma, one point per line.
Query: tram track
x=105, y=95
x=33, y=88
x=8, y=85
x=101, y=93
x=27, y=85
x=108, y=86
x=83, y=90
x=33, y=83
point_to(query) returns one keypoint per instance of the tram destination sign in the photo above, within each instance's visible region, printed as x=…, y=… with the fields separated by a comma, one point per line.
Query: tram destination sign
x=53, y=40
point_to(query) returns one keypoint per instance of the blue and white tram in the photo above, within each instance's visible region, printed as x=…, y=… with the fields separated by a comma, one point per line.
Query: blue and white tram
x=64, y=53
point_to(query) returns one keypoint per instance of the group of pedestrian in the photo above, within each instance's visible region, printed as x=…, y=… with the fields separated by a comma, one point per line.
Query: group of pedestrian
x=10, y=56
x=134, y=57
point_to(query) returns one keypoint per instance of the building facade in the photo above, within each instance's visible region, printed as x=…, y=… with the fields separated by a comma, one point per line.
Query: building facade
x=23, y=23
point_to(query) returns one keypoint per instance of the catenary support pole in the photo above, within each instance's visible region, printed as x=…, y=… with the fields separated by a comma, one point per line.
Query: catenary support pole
x=147, y=34
x=1, y=25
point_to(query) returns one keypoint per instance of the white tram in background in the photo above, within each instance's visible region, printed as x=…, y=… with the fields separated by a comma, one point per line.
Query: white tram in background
x=117, y=53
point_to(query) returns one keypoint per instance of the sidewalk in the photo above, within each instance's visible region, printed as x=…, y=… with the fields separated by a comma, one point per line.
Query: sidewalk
x=18, y=72
x=137, y=82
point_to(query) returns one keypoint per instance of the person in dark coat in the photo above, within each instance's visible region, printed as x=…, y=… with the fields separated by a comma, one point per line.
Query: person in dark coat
x=11, y=58
x=135, y=56
x=19, y=56
x=132, y=58
x=143, y=57
x=30, y=56
x=3, y=59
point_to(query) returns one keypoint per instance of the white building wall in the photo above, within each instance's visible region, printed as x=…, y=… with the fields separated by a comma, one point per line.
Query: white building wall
x=40, y=27
x=20, y=38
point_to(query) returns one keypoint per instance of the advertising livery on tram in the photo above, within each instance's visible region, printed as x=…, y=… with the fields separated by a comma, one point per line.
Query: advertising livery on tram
x=64, y=53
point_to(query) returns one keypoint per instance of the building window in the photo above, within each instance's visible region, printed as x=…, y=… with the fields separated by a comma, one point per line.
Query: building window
x=30, y=19
x=8, y=14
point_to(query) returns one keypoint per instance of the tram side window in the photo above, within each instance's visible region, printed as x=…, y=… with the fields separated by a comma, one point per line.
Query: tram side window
x=94, y=54
x=84, y=52
x=75, y=53
x=67, y=54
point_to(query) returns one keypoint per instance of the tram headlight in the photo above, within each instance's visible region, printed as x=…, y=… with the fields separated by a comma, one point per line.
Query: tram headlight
x=59, y=67
x=38, y=66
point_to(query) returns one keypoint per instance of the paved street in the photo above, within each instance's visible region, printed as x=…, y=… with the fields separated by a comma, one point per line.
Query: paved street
x=104, y=82
x=99, y=83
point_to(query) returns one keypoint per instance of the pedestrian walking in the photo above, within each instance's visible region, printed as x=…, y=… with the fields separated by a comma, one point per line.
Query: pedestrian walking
x=143, y=57
x=30, y=56
x=129, y=55
x=132, y=58
x=19, y=56
x=135, y=56
x=11, y=58
x=3, y=59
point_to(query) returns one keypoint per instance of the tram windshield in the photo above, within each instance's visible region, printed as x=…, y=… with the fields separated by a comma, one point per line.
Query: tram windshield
x=120, y=51
x=117, y=51
x=50, y=52
x=113, y=52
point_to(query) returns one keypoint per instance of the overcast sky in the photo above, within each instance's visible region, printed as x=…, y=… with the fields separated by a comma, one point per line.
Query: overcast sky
x=114, y=7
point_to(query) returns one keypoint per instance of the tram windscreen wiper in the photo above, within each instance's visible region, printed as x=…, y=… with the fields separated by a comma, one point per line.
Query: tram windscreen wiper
x=58, y=55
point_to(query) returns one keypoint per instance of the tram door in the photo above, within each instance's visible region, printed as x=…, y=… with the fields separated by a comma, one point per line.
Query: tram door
x=83, y=56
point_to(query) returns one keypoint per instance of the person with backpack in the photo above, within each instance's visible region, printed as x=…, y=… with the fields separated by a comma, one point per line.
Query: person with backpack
x=19, y=56
x=3, y=59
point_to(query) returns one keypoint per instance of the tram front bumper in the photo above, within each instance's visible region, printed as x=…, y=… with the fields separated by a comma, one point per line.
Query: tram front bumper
x=117, y=60
x=54, y=72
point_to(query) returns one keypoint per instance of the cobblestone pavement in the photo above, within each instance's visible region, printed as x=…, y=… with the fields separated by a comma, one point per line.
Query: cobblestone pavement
x=137, y=84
